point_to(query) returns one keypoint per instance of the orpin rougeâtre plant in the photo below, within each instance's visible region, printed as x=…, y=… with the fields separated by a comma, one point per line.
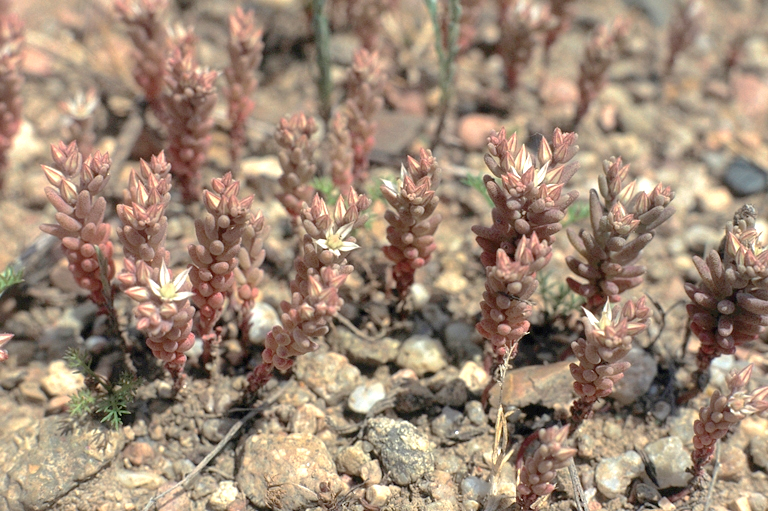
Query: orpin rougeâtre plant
x=729, y=307
x=529, y=203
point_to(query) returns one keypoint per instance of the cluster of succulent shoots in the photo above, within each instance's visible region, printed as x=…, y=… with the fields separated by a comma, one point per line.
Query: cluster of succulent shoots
x=606, y=341
x=622, y=225
x=353, y=128
x=163, y=310
x=529, y=203
x=215, y=256
x=722, y=413
x=601, y=51
x=75, y=192
x=412, y=222
x=539, y=471
x=321, y=268
x=245, y=49
x=182, y=93
x=730, y=305
x=11, y=81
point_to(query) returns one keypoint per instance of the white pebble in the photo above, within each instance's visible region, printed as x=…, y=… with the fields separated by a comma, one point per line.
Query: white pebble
x=262, y=318
x=362, y=399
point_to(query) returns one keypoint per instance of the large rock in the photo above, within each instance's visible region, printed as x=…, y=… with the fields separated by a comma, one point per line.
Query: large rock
x=41, y=461
x=329, y=375
x=280, y=471
x=405, y=452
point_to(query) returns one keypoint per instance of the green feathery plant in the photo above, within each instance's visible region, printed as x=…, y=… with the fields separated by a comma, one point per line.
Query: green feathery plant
x=557, y=298
x=10, y=277
x=578, y=211
x=447, y=47
x=476, y=181
x=323, y=49
x=326, y=188
x=100, y=399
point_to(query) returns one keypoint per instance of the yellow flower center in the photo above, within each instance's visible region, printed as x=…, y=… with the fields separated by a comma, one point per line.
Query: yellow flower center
x=168, y=291
x=334, y=242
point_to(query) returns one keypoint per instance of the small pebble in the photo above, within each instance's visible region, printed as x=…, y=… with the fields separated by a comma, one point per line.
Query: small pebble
x=223, y=496
x=422, y=354
x=419, y=296
x=474, y=376
x=350, y=460
x=377, y=495
x=743, y=178
x=638, y=378
x=404, y=451
x=138, y=479
x=475, y=413
x=758, y=502
x=447, y=423
x=475, y=488
x=614, y=475
x=670, y=459
x=646, y=494
x=262, y=318
x=138, y=453
x=362, y=399
x=371, y=472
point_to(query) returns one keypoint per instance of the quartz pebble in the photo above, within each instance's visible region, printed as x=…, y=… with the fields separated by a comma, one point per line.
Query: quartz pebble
x=638, y=378
x=671, y=460
x=422, y=354
x=475, y=488
x=614, y=475
x=225, y=494
x=262, y=318
x=362, y=399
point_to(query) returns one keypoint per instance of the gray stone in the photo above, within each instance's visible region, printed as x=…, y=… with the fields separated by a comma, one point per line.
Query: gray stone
x=733, y=462
x=743, y=178
x=422, y=354
x=281, y=471
x=670, y=460
x=454, y=393
x=475, y=413
x=758, y=449
x=758, y=502
x=638, y=378
x=460, y=341
x=405, y=452
x=42, y=465
x=475, y=488
x=329, y=375
x=360, y=351
x=447, y=423
x=681, y=424
x=614, y=475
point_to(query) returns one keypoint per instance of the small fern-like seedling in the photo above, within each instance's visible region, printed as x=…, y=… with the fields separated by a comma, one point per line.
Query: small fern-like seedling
x=476, y=181
x=578, y=212
x=10, y=277
x=100, y=399
x=326, y=188
x=557, y=298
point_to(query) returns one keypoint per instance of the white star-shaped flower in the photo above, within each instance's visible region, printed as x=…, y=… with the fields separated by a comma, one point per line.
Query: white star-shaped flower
x=605, y=319
x=170, y=290
x=334, y=241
